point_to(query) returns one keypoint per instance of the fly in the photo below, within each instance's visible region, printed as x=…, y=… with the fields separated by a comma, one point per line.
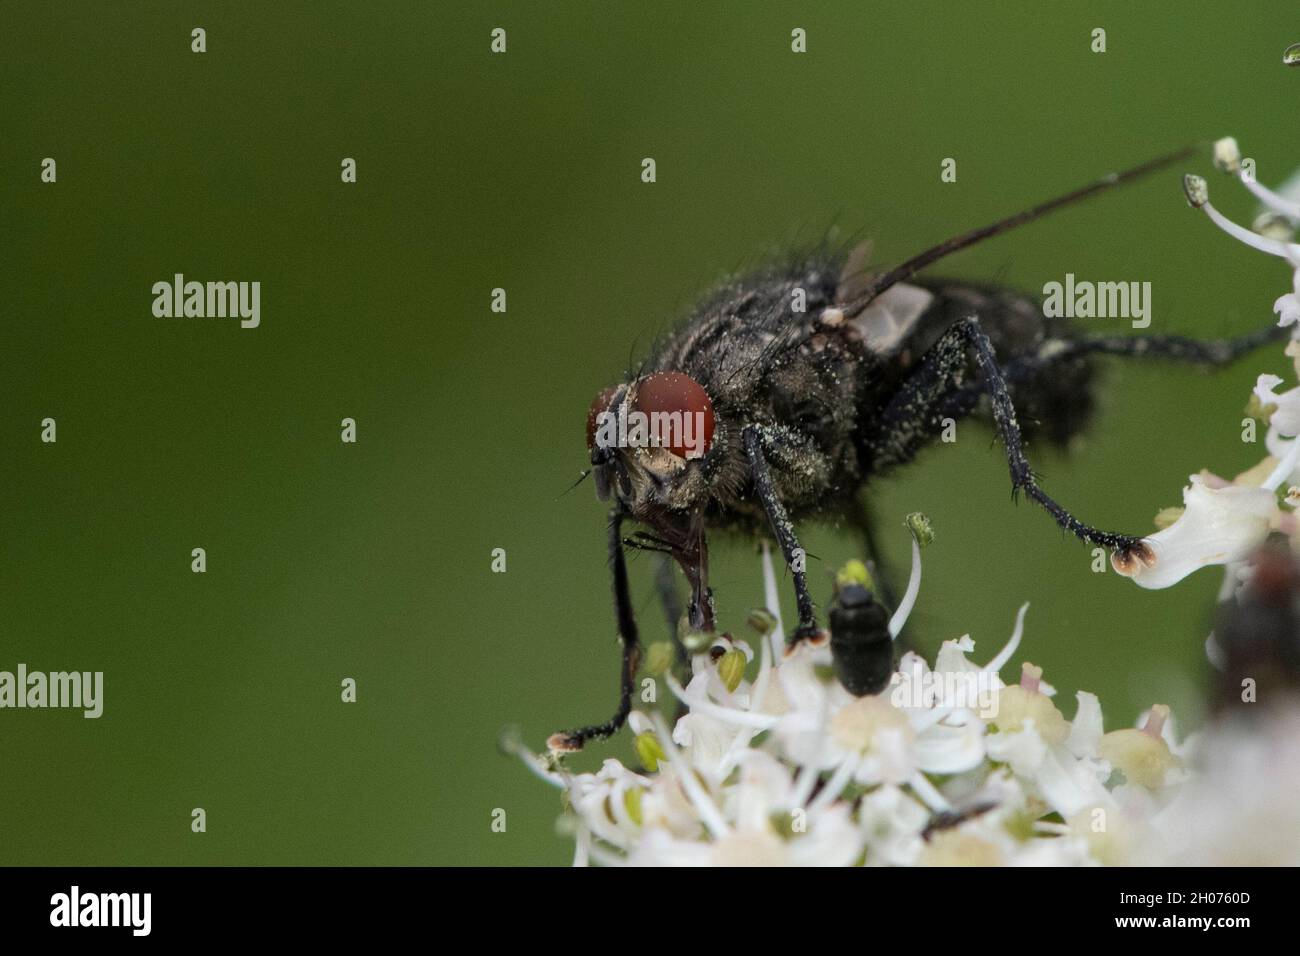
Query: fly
x=790, y=389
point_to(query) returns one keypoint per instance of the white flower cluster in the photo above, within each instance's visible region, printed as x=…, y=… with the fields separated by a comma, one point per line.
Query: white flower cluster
x=1222, y=520
x=791, y=769
x=949, y=765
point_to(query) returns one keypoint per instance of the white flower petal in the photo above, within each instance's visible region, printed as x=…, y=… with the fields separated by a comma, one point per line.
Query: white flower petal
x=947, y=749
x=1218, y=525
x=1069, y=785
x=952, y=656
x=1287, y=417
x=1086, y=729
x=1287, y=308
x=1022, y=750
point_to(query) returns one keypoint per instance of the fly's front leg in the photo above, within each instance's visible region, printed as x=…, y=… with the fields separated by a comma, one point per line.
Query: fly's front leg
x=575, y=739
x=753, y=437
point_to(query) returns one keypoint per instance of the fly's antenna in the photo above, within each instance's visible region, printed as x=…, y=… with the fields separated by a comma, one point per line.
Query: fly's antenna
x=879, y=284
x=581, y=478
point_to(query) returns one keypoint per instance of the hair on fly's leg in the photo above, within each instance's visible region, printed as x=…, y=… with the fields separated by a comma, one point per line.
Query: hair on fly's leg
x=939, y=376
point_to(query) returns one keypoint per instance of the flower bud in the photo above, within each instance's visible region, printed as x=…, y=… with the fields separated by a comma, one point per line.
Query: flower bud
x=658, y=659
x=632, y=803
x=648, y=750
x=1022, y=703
x=1141, y=755
x=919, y=526
x=1196, y=191
x=695, y=642
x=1227, y=156
x=762, y=620
x=731, y=668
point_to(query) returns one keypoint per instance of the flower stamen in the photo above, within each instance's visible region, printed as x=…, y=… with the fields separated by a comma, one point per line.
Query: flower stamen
x=1198, y=195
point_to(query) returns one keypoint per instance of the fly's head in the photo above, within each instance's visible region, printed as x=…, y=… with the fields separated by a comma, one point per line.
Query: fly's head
x=649, y=441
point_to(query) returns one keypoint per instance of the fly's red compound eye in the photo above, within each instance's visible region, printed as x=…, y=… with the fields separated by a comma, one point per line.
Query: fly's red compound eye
x=599, y=406
x=688, y=435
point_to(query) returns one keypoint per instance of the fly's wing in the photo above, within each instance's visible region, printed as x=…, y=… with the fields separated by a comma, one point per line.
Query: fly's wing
x=886, y=322
x=855, y=272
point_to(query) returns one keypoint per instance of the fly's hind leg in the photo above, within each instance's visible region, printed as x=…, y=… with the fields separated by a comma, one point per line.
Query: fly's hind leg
x=1177, y=348
x=1054, y=353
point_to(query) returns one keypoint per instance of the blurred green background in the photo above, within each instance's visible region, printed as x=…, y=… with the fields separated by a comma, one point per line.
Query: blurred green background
x=521, y=170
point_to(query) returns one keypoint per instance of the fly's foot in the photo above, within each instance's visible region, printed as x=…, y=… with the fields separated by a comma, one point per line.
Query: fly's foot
x=564, y=743
x=810, y=632
x=1131, y=552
